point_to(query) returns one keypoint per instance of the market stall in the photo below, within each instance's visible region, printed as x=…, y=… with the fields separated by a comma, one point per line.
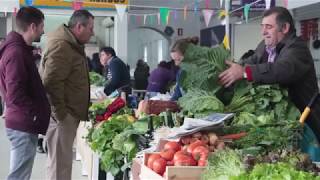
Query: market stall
x=243, y=132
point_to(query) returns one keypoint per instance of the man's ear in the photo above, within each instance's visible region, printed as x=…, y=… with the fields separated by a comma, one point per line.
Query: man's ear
x=285, y=28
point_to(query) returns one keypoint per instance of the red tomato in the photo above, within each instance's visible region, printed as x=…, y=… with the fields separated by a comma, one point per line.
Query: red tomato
x=151, y=159
x=195, y=144
x=167, y=154
x=184, y=160
x=172, y=145
x=178, y=154
x=202, y=163
x=159, y=166
x=200, y=152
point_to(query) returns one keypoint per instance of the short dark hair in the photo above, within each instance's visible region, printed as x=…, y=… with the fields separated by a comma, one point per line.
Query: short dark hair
x=283, y=17
x=80, y=16
x=108, y=50
x=28, y=15
x=182, y=44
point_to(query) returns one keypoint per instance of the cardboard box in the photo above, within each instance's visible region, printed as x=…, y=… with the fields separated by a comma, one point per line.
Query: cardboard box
x=172, y=172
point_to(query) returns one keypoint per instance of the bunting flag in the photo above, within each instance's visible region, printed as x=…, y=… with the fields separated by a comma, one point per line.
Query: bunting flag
x=285, y=3
x=185, y=12
x=226, y=42
x=246, y=11
x=29, y=2
x=76, y=5
x=159, y=19
x=144, y=19
x=268, y=4
x=121, y=9
x=207, y=14
x=164, y=15
x=132, y=18
x=222, y=14
x=139, y=20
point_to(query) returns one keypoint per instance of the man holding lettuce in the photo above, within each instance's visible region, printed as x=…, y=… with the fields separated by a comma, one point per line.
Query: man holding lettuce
x=281, y=58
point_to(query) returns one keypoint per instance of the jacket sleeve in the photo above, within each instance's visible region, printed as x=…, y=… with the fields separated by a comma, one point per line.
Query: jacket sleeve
x=114, y=68
x=17, y=80
x=289, y=67
x=56, y=67
x=177, y=91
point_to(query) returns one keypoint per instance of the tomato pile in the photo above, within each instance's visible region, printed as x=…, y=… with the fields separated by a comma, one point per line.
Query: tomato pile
x=191, y=150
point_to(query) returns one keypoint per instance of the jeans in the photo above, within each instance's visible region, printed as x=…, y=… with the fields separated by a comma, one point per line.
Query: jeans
x=22, y=154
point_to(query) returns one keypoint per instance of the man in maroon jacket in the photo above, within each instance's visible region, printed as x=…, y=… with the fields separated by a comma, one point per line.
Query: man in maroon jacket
x=27, y=108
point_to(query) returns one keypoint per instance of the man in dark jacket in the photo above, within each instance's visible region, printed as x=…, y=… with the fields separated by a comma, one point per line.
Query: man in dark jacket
x=118, y=73
x=281, y=58
x=27, y=108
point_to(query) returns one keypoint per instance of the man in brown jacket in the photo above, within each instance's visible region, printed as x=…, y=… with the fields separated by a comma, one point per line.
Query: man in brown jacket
x=64, y=73
x=281, y=58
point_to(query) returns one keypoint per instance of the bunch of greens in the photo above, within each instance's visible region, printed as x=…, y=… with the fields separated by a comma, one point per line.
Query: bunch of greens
x=101, y=141
x=275, y=171
x=200, y=103
x=262, y=139
x=98, y=108
x=96, y=79
x=201, y=66
x=223, y=164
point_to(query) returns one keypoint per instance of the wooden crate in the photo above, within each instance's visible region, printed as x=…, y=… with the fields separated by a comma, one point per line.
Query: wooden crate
x=172, y=172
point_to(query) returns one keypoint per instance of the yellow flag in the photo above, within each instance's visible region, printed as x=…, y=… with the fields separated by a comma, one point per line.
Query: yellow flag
x=226, y=42
x=222, y=14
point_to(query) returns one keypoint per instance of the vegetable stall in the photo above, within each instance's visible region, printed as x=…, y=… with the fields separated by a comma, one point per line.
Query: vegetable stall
x=259, y=139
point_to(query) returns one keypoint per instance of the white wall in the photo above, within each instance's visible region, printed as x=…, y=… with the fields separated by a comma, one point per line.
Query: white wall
x=137, y=39
x=246, y=36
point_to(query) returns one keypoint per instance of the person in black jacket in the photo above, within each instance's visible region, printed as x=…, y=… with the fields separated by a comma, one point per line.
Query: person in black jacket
x=118, y=74
x=281, y=58
x=141, y=74
x=95, y=64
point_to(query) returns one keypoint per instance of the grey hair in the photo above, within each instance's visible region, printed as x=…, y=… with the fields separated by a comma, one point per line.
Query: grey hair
x=80, y=16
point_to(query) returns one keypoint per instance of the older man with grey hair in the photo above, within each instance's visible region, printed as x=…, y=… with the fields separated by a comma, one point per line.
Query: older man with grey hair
x=64, y=73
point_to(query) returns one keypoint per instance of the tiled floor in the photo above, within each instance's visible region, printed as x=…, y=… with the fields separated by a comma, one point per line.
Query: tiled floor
x=39, y=167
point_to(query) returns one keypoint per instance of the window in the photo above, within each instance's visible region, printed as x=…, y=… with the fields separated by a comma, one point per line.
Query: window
x=160, y=52
x=145, y=53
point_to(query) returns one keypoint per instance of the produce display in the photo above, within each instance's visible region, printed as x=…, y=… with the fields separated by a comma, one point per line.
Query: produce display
x=261, y=141
x=96, y=79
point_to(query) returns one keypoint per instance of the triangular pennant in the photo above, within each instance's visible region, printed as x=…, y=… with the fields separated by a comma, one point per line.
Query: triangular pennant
x=121, y=9
x=77, y=5
x=159, y=19
x=132, y=19
x=268, y=4
x=246, y=12
x=185, y=11
x=29, y=2
x=145, y=19
x=285, y=3
x=222, y=14
x=226, y=42
x=164, y=15
x=168, y=18
x=207, y=14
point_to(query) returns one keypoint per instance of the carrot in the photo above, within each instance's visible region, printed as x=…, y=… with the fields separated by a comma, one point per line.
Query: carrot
x=234, y=136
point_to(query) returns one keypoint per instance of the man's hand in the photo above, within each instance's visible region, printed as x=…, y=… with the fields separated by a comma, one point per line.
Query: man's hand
x=232, y=74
